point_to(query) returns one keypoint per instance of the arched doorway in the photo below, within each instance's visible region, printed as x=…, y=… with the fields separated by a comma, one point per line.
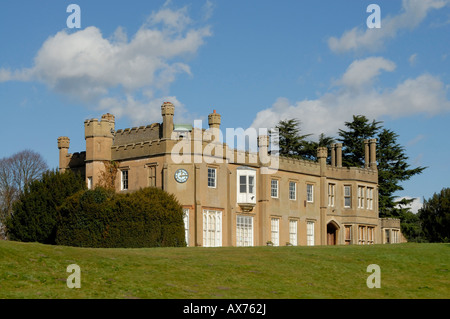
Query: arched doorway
x=332, y=231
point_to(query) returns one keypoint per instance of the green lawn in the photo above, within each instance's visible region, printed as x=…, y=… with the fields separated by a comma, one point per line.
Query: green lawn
x=29, y=270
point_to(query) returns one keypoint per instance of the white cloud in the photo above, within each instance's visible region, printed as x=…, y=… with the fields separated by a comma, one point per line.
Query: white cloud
x=87, y=66
x=413, y=59
x=424, y=94
x=415, y=205
x=416, y=140
x=413, y=13
x=361, y=72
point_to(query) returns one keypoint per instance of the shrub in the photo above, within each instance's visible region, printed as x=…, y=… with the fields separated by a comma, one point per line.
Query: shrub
x=34, y=214
x=149, y=217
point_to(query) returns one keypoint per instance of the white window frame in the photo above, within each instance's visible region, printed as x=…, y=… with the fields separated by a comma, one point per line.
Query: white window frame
x=310, y=233
x=394, y=233
x=370, y=235
x=212, y=228
x=244, y=231
x=124, y=179
x=212, y=178
x=274, y=188
x=292, y=190
x=310, y=193
x=362, y=234
x=246, y=191
x=331, y=194
x=361, y=197
x=347, y=195
x=293, y=232
x=186, y=224
x=369, y=198
x=275, y=231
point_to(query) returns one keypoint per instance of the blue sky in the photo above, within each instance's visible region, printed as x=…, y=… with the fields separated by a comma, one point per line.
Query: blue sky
x=255, y=62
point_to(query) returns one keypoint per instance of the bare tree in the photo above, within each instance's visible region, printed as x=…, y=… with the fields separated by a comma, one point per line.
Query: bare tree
x=16, y=172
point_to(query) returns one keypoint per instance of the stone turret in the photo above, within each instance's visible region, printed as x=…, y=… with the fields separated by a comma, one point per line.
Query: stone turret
x=167, y=112
x=99, y=137
x=214, y=125
x=63, y=146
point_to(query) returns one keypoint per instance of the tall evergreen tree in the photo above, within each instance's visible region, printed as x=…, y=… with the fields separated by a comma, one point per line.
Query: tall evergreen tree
x=291, y=142
x=353, y=138
x=435, y=217
x=392, y=170
x=391, y=157
x=310, y=147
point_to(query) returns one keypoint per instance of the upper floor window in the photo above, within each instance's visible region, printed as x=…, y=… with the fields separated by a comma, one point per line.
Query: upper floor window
x=361, y=191
x=347, y=196
x=274, y=188
x=369, y=198
x=246, y=178
x=293, y=190
x=124, y=181
x=309, y=193
x=211, y=177
x=331, y=194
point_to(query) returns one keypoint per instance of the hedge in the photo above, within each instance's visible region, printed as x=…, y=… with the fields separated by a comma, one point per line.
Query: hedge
x=149, y=217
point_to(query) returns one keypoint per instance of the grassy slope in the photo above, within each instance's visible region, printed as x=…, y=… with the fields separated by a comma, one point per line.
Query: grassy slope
x=407, y=271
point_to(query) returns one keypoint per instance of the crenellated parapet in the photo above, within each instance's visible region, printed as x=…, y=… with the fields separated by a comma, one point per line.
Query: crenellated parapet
x=137, y=134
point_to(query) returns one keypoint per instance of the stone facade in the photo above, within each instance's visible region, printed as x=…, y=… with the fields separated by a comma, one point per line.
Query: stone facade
x=237, y=198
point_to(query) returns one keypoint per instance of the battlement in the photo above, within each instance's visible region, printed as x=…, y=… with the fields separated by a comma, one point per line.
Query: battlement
x=100, y=128
x=137, y=134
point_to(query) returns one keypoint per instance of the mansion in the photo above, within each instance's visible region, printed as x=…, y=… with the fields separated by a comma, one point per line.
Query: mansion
x=238, y=198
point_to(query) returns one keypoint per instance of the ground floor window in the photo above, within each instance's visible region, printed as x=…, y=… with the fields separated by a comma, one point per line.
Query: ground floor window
x=348, y=234
x=310, y=233
x=212, y=228
x=395, y=236
x=293, y=232
x=244, y=231
x=275, y=231
x=365, y=235
x=186, y=224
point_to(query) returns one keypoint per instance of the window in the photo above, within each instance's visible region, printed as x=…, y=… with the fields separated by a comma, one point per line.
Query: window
x=331, y=194
x=124, y=180
x=275, y=230
x=274, y=188
x=211, y=177
x=244, y=231
x=394, y=236
x=366, y=235
x=212, y=228
x=152, y=175
x=361, y=190
x=310, y=233
x=370, y=235
x=386, y=233
x=251, y=184
x=186, y=224
x=347, y=196
x=361, y=235
x=243, y=184
x=246, y=178
x=348, y=234
x=292, y=190
x=369, y=198
x=89, y=182
x=293, y=232
x=309, y=193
